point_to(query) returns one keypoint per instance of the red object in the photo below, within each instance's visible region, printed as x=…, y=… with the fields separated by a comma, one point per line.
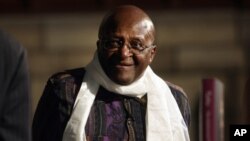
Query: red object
x=212, y=110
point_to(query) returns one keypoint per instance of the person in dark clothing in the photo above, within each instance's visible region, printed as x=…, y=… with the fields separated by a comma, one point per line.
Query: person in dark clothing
x=117, y=96
x=14, y=91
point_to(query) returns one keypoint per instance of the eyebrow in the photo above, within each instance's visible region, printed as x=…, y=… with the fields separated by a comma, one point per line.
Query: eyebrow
x=120, y=37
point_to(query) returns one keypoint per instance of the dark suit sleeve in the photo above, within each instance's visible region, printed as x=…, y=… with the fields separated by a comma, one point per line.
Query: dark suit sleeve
x=184, y=107
x=54, y=108
x=46, y=126
x=183, y=103
x=14, y=91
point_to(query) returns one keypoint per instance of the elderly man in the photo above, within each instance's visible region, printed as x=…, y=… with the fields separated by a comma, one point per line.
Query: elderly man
x=116, y=97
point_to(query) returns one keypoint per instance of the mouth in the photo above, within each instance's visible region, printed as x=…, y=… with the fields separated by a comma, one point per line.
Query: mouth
x=124, y=66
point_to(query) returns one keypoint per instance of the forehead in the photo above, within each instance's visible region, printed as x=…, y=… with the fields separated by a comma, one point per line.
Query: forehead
x=129, y=29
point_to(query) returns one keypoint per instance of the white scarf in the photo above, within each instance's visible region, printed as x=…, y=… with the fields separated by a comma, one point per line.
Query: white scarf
x=164, y=121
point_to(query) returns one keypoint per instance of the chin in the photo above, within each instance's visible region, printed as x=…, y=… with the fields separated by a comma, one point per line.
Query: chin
x=123, y=81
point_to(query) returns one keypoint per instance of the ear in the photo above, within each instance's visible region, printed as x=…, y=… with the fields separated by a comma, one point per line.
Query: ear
x=152, y=54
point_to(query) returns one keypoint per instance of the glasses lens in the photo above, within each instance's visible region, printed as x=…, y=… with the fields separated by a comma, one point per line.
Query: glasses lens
x=135, y=46
x=112, y=44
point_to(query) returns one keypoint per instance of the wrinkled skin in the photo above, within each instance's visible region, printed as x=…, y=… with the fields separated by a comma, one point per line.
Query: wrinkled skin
x=126, y=23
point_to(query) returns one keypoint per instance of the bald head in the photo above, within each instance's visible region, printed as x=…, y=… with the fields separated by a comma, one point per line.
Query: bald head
x=126, y=44
x=127, y=16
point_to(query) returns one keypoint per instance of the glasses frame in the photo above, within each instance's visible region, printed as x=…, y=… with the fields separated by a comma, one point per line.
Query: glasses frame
x=122, y=44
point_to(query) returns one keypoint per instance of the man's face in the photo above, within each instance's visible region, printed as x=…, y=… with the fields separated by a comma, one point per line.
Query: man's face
x=125, y=64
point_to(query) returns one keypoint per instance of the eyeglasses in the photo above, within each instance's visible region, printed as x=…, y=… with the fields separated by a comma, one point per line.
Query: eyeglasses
x=135, y=46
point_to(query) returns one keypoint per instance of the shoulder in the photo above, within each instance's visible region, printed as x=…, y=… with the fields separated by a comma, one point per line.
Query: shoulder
x=12, y=56
x=72, y=74
x=69, y=78
x=182, y=101
x=64, y=86
x=177, y=90
x=10, y=47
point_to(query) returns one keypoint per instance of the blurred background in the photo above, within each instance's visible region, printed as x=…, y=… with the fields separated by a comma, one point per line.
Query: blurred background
x=196, y=39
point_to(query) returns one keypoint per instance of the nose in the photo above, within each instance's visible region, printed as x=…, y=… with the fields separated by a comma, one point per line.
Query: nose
x=125, y=51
